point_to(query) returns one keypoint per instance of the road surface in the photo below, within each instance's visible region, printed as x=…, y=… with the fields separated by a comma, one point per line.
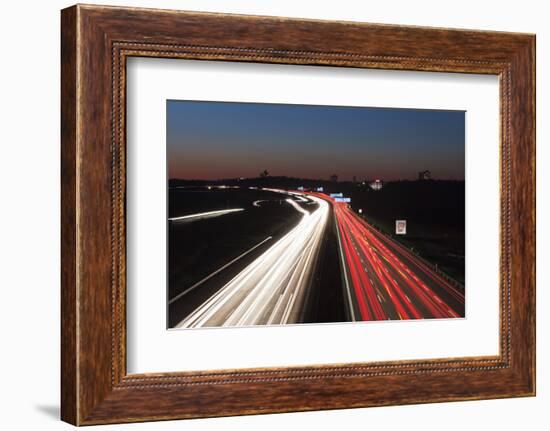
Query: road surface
x=271, y=283
x=272, y=289
x=384, y=280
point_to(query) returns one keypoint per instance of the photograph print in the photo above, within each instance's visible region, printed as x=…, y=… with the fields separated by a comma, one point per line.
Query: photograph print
x=294, y=214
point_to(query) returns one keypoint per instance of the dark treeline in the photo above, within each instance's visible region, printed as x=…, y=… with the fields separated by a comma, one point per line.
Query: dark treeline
x=434, y=211
x=435, y=215
x=429, y=203
x=286, y=183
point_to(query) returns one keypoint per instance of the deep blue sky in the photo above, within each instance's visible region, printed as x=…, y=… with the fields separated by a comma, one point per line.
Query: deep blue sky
x=215, y=140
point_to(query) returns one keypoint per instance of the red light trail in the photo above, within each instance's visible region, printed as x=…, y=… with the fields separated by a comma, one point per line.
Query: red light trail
x=384, y=280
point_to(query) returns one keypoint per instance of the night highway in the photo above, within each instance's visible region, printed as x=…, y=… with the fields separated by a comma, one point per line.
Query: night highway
x=273, y=257
x=296, y=213
x=384, y=280
x=269, y=257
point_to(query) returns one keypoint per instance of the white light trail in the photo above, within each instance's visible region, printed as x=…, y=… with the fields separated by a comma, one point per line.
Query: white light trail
x=227, y=265
x=297, y=207
x=272, y=289
x=193, y=217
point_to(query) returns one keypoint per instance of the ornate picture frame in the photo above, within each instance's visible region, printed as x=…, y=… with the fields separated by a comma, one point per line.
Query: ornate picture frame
x=96, y=41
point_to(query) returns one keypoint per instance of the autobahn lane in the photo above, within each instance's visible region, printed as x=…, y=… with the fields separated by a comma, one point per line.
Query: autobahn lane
x=279, y=279
x=387, y=281
x=272, y=289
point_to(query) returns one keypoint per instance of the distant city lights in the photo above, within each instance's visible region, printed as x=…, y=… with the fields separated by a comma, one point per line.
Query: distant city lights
x=376, y=185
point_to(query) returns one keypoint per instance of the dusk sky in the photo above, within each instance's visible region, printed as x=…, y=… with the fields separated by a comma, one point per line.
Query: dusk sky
x=218, y=140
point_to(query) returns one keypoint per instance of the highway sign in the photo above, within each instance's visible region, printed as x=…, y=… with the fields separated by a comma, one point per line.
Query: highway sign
x=346, y=200
x=401, y=227
x=336, y=195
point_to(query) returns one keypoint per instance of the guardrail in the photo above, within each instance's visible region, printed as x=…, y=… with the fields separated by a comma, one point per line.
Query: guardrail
x=432, y=266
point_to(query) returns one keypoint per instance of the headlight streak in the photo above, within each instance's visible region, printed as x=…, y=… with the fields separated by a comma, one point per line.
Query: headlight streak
x=199, y=216
x=272, y=289
x=382, y=279
x=208, y=277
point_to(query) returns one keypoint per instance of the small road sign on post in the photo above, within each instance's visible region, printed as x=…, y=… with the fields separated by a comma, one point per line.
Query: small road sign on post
x=400, y=227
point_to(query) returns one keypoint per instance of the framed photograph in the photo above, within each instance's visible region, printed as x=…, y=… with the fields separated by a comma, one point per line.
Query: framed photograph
x=267, y=215
x=249, y=248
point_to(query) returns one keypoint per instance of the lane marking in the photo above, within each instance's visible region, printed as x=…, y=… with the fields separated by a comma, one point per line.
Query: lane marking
x=344, y=270
x=285, y=266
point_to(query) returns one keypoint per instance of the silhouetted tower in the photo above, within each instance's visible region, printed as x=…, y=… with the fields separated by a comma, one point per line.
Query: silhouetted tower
x=334, y=178
x=424, y=175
